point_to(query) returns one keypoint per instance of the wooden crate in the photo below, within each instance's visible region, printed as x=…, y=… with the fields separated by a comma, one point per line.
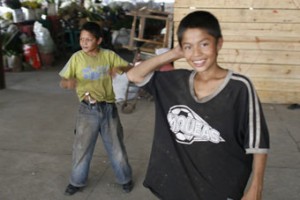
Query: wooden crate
x=139, y=24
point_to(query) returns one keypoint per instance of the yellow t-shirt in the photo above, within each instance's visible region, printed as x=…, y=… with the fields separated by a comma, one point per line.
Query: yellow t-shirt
x=92, y=73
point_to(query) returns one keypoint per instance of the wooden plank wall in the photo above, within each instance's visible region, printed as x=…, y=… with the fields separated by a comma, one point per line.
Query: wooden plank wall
x=261, y=40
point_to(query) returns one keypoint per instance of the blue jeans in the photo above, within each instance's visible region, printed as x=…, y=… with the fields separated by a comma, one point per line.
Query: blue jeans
x=103, y=119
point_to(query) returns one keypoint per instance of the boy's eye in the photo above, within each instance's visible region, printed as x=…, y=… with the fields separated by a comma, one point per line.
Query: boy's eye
x=204, y=44
x=186, y=47
x=86, y=40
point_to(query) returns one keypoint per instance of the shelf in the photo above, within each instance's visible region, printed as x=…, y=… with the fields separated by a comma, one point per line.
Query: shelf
x=147, y=41
x=150, y=15
x=139, y=19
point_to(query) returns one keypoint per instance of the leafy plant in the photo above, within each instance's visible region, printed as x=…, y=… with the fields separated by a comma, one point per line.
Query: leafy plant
x=11, y=44
x=31, y=4
x=48, y=1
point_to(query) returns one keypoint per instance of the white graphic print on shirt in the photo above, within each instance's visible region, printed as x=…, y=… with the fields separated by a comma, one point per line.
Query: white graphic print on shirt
x=189, y=127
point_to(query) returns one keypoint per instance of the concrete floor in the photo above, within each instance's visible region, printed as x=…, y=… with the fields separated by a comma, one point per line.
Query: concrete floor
x=36, y=133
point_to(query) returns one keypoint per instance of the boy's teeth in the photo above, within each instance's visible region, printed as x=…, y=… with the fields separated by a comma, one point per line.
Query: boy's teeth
x=198, y=61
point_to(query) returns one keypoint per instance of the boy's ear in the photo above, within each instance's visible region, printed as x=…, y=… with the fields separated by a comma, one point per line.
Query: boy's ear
x=99, y=41
x=220, y=43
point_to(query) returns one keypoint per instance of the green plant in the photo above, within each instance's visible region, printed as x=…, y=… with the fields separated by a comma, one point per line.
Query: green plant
x=31, y=4
x=47, y=1
x=11, y=44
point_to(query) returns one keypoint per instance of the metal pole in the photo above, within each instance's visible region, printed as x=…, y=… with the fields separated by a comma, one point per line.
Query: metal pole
x=2, y=77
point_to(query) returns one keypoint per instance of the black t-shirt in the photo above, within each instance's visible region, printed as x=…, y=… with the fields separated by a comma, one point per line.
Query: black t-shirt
x=202, y=149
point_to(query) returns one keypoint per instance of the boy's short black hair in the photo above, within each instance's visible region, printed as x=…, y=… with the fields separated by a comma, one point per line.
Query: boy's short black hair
x=202, y=20
x=94, y=28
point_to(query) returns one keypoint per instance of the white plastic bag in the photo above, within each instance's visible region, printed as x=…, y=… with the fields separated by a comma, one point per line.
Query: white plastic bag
x=43, y=38
x=120, y=84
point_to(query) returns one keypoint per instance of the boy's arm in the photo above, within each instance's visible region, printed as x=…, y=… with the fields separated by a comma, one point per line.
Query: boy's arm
x=138, y=73
x=67, y=83
x=255, y=189
x=120, y=70
x=125, y=69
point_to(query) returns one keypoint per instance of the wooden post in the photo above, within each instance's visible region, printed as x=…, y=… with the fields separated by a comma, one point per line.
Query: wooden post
x=132, y=32
x=2, y=77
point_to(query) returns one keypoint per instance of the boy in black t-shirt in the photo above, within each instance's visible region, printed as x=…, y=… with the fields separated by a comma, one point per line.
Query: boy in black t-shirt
x=210, y=131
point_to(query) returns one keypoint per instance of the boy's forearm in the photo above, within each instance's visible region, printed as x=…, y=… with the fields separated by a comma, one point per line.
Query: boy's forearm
x=67, y=83
x=259, y=165
x=256, y=185
x=139, y=72
x=126, y=68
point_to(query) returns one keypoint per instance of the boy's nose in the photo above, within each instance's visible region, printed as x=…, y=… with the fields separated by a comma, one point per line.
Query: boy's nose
x=197, y=51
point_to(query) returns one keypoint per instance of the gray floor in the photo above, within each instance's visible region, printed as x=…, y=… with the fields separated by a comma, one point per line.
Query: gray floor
x=36, y=135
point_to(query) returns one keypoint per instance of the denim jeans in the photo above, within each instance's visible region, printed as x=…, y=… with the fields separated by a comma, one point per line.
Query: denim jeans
x=100, y=119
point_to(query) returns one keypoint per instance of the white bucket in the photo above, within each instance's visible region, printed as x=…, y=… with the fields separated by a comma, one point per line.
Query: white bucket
x=18, y=15
x=29, y=14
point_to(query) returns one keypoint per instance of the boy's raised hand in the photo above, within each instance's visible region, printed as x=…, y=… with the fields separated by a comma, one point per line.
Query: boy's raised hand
x=178, y=51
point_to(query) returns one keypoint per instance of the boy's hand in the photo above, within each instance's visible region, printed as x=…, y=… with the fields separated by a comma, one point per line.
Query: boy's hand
x=68, y=83
x=114, y=71
x=178, y=51
x=72, y=83
x=119, y=70
x=252, y=194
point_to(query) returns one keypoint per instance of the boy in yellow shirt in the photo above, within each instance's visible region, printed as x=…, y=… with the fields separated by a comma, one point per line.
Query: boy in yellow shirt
x=89, y=72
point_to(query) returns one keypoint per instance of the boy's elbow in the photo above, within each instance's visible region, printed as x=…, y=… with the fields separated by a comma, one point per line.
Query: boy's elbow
x=133, y=77
x=130, y=76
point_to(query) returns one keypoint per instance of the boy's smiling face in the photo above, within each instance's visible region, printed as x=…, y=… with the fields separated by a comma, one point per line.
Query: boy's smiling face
x=200, y=49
